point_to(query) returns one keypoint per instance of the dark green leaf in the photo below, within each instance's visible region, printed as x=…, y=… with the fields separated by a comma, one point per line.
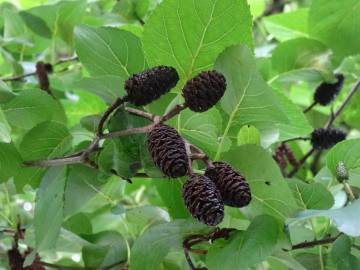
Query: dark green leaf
x=311, y=196
x=32, y=107
x=10, y=161
x=247, y=248
x=188, y=35
x=48, y=215
x=109, y=51
x=155, y=243
x=336, y=24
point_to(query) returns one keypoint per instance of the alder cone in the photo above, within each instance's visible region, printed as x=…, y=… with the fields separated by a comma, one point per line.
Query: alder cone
x=167, y=150
x=326, y=92
x=203, y=199
x=147, y=86
x=204, y=91
x=234, y=189
x=323, y=138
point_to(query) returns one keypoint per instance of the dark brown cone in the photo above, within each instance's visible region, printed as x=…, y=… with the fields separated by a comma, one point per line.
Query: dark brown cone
x=147, y=86
x=203, y=200
x=234, y=189
x=167, y=150
x=325, y=138
x=204, y=91
x=326, y=92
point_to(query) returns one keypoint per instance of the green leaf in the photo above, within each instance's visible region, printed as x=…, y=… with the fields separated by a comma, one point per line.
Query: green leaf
x=122, y=155
x=188, y=35
x=336, y=24
x=60, y=18
x=257, y=7
x=246, y=248
x=108, y=87
x=311, y=196
x=85, y=104
x=298, y=124
x=341, y=254
x=45, y=141
x=5, y=92
x=78, y=223
x=270, y=193
x=36, y=24
x=48, y=214
x=302, y=59
x=82, y=184
x=346, y=219
x=5, y=129
x=109, y=51
x=202, y=129
x=346, y=151
x=248, y=135
x=107, y=248
x=155, y=243
x=32, y=107
x=248, y=99
x=14, y=27
x=170, y=193
x=288, y=25
x=10, y=161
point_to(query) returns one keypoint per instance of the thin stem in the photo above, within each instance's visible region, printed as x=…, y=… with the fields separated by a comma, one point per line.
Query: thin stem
x=20, y=77
x=143, y=114
x=349, y=191
x=139, y=130
x=113, y=107
x=344, y=104
x=312, y=105
x=296, y=139
x=62, y=267
x=198, y=238
x=54, y=162
x=83, y=156
x=173, y=112
x=315, y=243
x=329, y=123
x=198, y=154
x=315, y=162
x=301, y=162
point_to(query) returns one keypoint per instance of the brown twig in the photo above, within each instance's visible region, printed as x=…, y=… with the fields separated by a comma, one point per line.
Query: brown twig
x=329, y=123
x=110, y=109
x=174, y=111
x=314, y=243
x=352, y=92
x=63, y=267
x=143, y=114
x=83, y=156
x=198, y=154
x=22, y=76
x=312, y=105
x=192, y=240
x=301, y=162
x=296, y=139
